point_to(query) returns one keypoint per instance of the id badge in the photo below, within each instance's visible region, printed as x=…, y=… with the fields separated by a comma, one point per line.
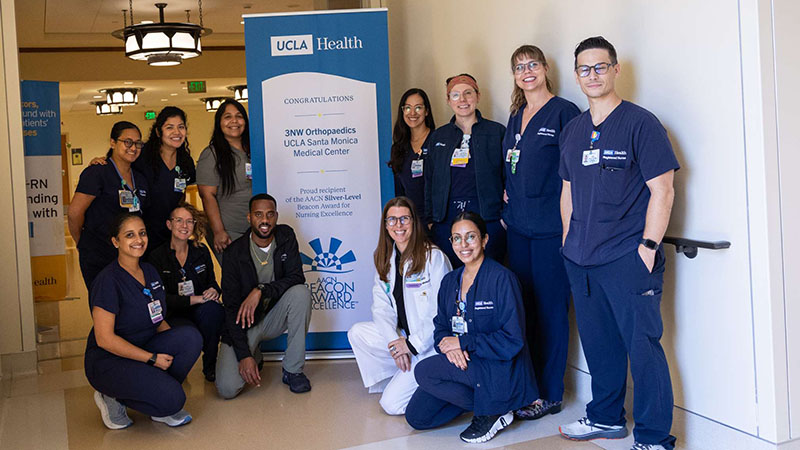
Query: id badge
x=460, y=157
x=248, y=170
x=186, y=288
x=180, y=184
x=508, y=155
x=154, y=308
x=413, y=281
x=126, y=198
x=591, y=157
x=416, y=168
x=458, y=325
x=136, y=205
x=514, y=160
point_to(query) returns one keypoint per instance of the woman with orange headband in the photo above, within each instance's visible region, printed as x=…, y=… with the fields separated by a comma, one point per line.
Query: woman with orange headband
x=465, y=170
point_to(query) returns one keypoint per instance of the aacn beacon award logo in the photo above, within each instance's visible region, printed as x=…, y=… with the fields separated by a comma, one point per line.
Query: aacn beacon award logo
x=327, y=261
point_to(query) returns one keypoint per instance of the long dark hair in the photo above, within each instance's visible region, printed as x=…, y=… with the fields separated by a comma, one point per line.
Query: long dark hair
x=418, y=244
x=117, y=130
x=151, y=152
x=226, y=162
x=401, y=138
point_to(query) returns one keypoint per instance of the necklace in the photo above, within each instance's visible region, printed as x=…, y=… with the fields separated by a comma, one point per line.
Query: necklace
x=263, y=263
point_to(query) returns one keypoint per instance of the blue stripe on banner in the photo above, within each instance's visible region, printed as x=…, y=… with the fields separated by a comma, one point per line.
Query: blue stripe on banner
x=333, y=340
x=41, y=118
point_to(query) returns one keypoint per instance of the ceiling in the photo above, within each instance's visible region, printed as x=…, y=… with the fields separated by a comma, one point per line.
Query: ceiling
x=86, y=25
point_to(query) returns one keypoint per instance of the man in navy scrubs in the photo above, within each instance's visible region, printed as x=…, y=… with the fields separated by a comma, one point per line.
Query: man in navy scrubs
x=264, y=296
x=617, y=167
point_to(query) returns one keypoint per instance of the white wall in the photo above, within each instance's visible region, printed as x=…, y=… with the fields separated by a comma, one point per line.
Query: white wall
x=683, y=61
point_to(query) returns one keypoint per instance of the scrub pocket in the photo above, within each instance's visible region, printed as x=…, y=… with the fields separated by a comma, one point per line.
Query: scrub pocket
x=614, y=176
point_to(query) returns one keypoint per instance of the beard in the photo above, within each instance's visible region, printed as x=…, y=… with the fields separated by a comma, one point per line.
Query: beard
x=261, y=235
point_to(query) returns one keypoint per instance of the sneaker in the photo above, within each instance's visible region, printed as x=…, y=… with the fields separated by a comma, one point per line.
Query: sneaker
x=484, y=428
x=298, y=382
x=114, y=413
x=538, y=409
x=640, y=446
x=211, y=376
x=585, y=430
x=179, y=418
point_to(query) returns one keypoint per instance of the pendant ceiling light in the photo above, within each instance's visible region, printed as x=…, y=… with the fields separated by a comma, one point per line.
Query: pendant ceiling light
x=212, y=103
x=122, y=96
x=239, y=92
x=162, y=43
x=104, y=109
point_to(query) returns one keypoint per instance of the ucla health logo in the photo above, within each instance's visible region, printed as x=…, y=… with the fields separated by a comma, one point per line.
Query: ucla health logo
x=300, y=44
x=327, y=261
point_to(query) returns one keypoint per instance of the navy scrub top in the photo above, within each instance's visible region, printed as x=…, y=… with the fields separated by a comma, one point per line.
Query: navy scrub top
x=118, y=292
x=404, y=182
x=103, y=182
x=163, y=197
x=609, y=194
x=495, y=338
x=534, y=189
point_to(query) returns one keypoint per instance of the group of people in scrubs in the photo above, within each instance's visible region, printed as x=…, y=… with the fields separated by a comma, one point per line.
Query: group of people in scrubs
x=575, y=204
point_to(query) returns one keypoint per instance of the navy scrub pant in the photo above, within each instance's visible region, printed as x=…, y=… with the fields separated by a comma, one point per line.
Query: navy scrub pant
x=495, y=249
x=618, y=310
x=147, y=389
x=208, y=318
x=545, y=289
x=444, y=393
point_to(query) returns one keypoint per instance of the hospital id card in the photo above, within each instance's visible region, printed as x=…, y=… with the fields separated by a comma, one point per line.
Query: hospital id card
x=460, y=157
x=180, y=184
x=514, y=160
x=155, y=310
x=416, y=168
x=248, y=170
x=591, y=157
x=458, y=325
x=186, y=288
x=128, y=200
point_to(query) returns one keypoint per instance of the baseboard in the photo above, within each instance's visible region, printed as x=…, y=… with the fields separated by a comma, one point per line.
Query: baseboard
x=19, y=364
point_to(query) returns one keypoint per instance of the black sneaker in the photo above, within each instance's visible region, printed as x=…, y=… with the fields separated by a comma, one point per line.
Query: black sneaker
x=538, y=409
x=211, y=376
x=298, y=382
x=484, y=428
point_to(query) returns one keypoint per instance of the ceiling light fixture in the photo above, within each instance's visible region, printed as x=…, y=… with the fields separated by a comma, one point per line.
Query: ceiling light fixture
x=239, y=92
x=122, y=96
x=162, y=43
x=104, y=109
x=212, y=103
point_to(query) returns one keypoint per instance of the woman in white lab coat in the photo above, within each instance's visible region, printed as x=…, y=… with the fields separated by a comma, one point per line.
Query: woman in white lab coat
x=409, y=269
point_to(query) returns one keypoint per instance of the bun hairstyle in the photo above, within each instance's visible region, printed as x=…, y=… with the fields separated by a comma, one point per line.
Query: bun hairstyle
x=116, y=132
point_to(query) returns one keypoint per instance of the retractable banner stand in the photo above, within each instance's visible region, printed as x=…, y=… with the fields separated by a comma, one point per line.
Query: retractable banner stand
x=320, y=127
x=41, y=124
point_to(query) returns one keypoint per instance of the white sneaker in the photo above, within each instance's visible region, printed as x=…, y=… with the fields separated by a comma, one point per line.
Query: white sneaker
x=179, y=418
x=585, y=430
x=114, y=413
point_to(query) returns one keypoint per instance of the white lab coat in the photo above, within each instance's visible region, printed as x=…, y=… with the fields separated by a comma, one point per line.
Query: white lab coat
x=369, y=340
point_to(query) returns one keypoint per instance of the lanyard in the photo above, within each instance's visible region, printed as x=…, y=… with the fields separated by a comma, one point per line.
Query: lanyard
x=147, y=292
x=183, y=273
x=122, y=180
x=178, y=170
x=461, y=305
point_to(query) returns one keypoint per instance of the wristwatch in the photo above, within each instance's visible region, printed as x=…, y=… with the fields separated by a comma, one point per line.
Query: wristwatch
x=152, y=360
x=260, y=287
x=649, y=243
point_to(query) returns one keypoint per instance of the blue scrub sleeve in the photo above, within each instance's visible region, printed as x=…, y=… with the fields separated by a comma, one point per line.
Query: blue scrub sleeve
x=441, y=322
x=105, y=293
x=652, y=148
x=91, y=181
x=506, y=342
x=563, y=167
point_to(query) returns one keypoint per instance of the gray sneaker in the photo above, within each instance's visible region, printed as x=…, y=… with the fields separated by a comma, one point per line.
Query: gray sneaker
x=640, y=446
x=586, y=430
x=179, y=418
x=114, y=414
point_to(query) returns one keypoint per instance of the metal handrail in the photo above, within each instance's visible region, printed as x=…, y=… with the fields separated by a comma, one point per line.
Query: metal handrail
x=689, y=247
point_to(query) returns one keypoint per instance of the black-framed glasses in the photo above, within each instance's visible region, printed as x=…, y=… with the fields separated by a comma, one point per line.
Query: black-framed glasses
x=392, y=220
x=129, y=143
x=180, y=221
x=531, y=65
x=599, y=68
x=457, y=239
x=417, y=109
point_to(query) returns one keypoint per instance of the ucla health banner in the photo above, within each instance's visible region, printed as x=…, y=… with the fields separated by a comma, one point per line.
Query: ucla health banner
x=320, y=126
x=41, y=127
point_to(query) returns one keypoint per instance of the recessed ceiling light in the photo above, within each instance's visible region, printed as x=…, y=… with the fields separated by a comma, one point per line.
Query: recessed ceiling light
x=163, y=99
x=127, y=82
x=242, y=22
x=97, y=96
x=184, y=88
x=174, y=94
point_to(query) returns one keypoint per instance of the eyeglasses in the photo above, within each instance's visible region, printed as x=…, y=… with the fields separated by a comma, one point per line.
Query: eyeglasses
x=467, y=95
x=599, y=68
x=456, y=239
x=129, y=143
x=180, y=221
x=532, y=65
x=270, y=214
x=392, y=220
x=417, y=109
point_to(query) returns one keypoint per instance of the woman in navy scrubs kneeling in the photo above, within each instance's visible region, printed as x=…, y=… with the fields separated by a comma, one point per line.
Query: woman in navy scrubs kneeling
x=187, y=271
x=479, y=330
x=133, y=358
